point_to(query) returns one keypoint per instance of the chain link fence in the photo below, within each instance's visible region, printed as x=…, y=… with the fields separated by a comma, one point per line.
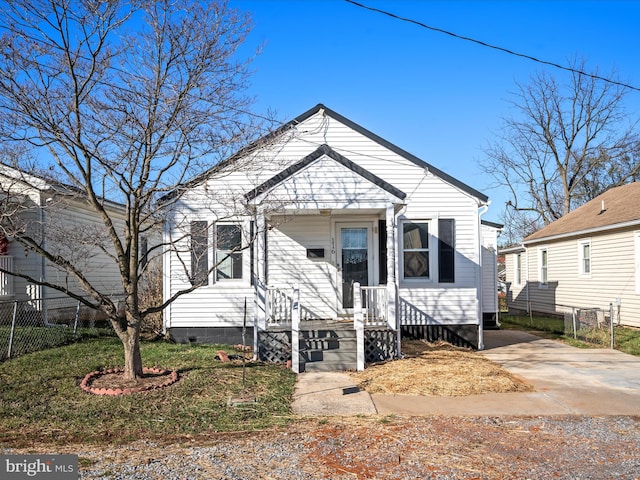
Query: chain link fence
x=595, y=325
x=31, y=325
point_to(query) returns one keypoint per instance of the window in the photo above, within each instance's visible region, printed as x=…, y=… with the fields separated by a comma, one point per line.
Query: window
x=518, y=269
x=228, y=254
x=199, y=253
x=446, y=250
x=544, y=267
x=415, y=250
x=584, y=255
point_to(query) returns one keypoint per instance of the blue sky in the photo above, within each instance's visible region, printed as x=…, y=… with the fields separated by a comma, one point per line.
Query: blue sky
x=438, y=97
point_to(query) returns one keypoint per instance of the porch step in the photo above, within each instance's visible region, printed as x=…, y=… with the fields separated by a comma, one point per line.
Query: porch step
x=328, y=349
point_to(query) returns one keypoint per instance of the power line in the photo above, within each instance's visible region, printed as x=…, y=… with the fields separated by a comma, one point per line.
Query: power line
x=495, y=47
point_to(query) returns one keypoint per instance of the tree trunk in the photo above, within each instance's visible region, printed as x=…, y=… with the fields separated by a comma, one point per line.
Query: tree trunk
x=132, y=356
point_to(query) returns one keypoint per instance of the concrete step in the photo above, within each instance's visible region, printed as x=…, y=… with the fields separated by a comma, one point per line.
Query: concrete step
x=314, y=356
x=327, y=366
x=328, y=333
x=328, y=347
x=326, y=344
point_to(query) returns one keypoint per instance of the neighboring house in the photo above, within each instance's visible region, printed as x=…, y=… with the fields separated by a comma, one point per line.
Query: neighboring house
x=490, y=273
x=59, y=217
x=589, y=258
x=319, y=206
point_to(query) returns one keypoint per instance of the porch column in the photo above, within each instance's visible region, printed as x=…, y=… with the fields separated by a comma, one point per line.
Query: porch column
x=392, y=317
x=358, y=322
x=295, y=330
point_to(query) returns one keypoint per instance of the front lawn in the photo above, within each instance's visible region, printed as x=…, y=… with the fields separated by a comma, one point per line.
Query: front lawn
x=40, y=397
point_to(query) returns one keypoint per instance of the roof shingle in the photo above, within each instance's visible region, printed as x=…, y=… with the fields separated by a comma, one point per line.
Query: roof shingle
x=621, y=205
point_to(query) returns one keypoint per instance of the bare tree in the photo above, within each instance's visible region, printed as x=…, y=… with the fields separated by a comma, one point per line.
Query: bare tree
x=567, y=144
x=120, y=101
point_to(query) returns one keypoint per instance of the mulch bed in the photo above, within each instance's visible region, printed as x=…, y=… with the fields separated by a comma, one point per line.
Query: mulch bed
x=438, y=369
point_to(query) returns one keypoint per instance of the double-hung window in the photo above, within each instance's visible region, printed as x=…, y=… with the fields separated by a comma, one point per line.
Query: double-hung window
x=228, y=252
x=543, y=259
x=415, y=250
x=584, y=256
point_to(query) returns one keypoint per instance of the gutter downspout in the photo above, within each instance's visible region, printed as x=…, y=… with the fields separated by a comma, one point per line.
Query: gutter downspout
x=481, y=211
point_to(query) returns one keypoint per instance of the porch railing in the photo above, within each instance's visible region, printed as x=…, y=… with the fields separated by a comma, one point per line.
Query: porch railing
x=6, y=280
x=278, y=306
x=375, y=305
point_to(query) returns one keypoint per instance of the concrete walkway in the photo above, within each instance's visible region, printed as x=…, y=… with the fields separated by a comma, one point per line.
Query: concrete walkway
x=567, y=380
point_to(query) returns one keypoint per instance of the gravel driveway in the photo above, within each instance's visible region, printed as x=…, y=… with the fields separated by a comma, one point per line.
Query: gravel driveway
x=568, y=447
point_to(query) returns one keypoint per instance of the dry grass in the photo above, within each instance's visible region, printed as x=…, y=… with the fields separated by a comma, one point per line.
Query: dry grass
x=438, y=369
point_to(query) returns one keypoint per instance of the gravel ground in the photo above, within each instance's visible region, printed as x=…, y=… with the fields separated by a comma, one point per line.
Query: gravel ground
x=384, y=448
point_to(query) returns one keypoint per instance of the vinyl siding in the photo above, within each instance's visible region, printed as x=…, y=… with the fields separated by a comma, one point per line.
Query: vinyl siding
x=612, y=277
x=489, y=269
x=327, y=183
x=289, y=265
x=76, y=232
x=516, y=293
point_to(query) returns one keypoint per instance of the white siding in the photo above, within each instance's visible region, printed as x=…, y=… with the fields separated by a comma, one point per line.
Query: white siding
x=327, y=182
x=289, y=265
x=489, y=269
x=75, y=231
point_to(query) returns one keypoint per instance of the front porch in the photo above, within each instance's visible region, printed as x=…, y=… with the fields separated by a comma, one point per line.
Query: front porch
x=345, y=343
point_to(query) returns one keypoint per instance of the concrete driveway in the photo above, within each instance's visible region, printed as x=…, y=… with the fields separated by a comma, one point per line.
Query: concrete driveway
x=591, y=381
x=567, y=381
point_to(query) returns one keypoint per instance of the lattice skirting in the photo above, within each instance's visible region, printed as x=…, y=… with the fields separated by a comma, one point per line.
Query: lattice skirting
x=380, y=345
x=274, y=346
x=460, y=335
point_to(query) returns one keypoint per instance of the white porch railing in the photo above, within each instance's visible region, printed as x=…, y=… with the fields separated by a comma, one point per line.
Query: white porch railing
x=375, y=305
x=278, y=306
x=6, y=280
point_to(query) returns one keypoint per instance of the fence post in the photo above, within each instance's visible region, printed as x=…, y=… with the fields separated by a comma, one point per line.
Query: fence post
x=611, y=323
x=358, y=321
x=573, y=317
x=295, y=330
x=13, y=327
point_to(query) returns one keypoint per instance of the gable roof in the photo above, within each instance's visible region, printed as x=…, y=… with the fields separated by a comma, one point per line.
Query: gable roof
x=323, y=150
x=354, y=126
x=617, y=207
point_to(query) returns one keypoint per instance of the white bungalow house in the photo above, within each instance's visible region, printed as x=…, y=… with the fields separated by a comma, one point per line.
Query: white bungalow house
x=326, y=221
x=587, y=259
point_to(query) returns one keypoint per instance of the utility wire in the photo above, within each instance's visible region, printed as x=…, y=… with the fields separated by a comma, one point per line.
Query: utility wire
x=495, y=47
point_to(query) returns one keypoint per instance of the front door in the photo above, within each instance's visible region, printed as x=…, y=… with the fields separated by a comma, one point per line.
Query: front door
x=354, y=257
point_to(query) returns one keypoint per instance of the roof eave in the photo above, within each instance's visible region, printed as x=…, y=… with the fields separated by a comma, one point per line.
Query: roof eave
x=587, y=231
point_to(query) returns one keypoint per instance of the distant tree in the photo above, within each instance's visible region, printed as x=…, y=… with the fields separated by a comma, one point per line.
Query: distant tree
x=568, y=144
x=119, y=101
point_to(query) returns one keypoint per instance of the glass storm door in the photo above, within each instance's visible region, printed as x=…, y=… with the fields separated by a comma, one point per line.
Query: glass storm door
x=355, y=259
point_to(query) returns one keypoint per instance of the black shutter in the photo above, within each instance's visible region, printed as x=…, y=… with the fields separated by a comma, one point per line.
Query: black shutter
x=382, y=250
x=446, y=250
